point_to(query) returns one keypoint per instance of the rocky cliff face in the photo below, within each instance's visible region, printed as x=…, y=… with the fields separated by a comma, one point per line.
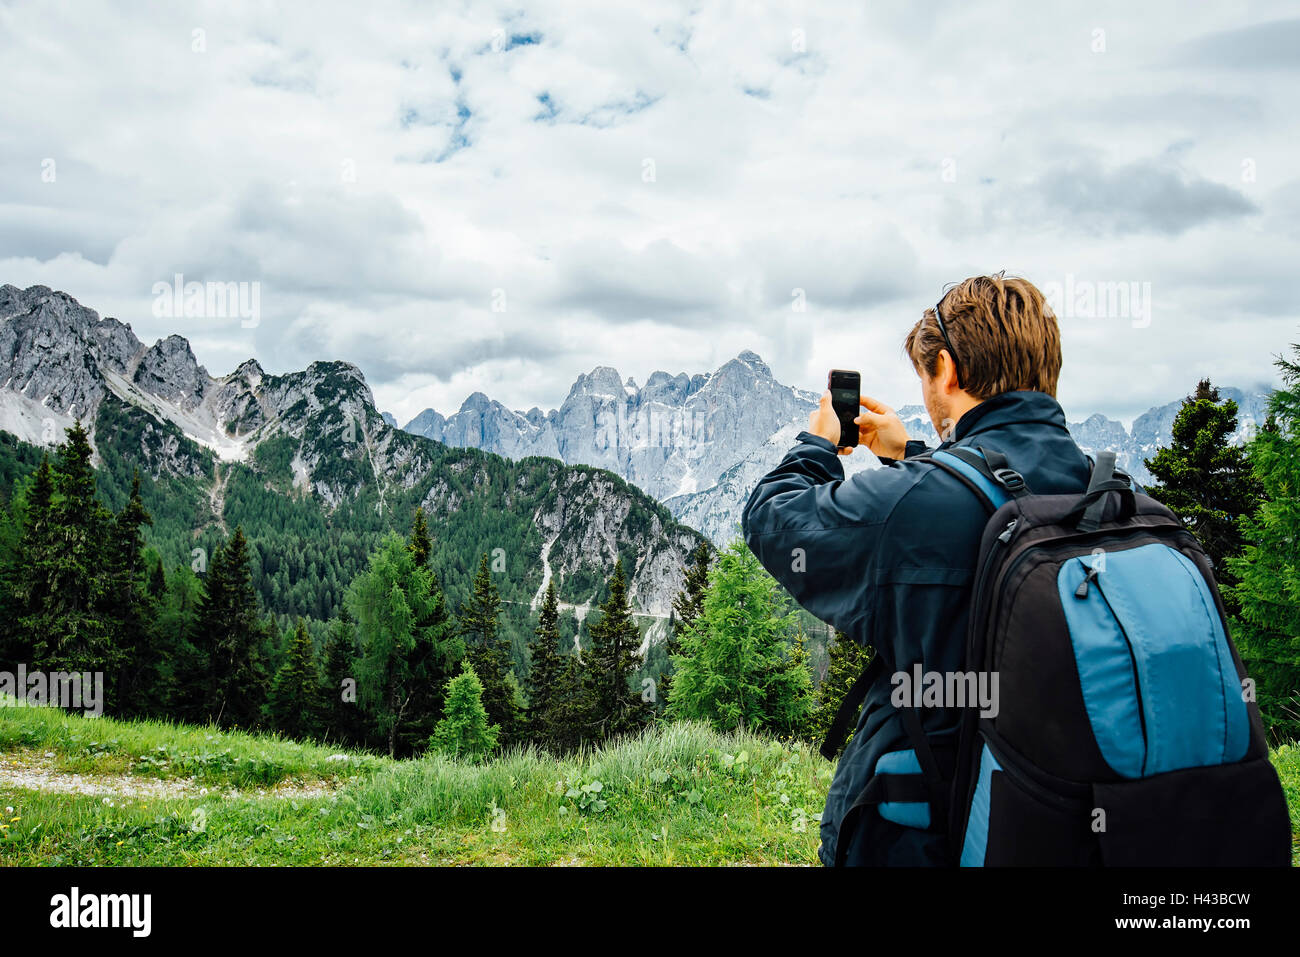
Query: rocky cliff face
x=674, y=436
x=700, y=443
x=60, y=361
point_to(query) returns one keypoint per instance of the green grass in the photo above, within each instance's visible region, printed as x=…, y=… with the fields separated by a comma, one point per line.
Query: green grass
x=1287, y=761
x=159, y=749
x=679, y=794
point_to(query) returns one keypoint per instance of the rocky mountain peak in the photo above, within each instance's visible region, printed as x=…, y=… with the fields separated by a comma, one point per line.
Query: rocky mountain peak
x=754, y=362
x=169, y=370
x=477, y=402
x=601, y=381
x=249, y=370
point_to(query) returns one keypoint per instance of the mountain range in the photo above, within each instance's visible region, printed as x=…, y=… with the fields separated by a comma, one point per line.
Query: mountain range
x=315, y=437
x=618, y=470
x=699, y=443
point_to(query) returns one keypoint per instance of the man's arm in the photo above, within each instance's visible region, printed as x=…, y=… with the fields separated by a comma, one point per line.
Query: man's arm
x=817, y=534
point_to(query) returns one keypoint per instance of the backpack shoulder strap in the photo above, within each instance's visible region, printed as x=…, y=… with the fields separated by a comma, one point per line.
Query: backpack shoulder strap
x=985, y=472
x=850, y=707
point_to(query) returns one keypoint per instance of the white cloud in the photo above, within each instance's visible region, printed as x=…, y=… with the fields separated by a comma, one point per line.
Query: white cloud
x=646, y=184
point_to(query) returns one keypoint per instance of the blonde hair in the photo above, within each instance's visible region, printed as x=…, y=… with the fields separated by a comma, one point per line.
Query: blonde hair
x=1004, y=334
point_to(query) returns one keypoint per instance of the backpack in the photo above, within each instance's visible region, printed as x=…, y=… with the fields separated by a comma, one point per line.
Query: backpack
x=1124, y=731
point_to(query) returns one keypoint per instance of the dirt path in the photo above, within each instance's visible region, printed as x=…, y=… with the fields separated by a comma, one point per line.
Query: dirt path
x=36, y=773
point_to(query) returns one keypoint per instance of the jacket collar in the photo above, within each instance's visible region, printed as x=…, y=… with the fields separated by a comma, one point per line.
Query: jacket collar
x=1009, y=409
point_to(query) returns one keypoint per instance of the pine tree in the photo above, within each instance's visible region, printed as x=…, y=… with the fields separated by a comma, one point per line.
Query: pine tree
x=10, y=537
x=686, y=608
x=35, y=562
x=791, y=699
x=182, y=680
x=1205, y=479
x=342, y=719
x=420, y=544
x=545, y=676
x=157, y=586
x=295, y=707
x=739, y=666
x=1266, y=628
x=64, y=584
x=613, y=706
x=231, y=639
x=393, y=603
x=848, y=660
x=430, y=664
x=130, y=611
x=568, y=712
x=464, y=732
x=489, y=654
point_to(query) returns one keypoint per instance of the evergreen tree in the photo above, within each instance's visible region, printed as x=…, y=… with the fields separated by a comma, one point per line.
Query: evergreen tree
x=342, y=719
x=420, y=544
x=1266, y=628
x=790, y=697
x=63, y=584
x=740, y=667
x=157, y=586
x=183, y=670
x=686, y=608
x=130, y=611
x=848, y=660
x=545, y=676
x=430, y=663
x=10, y=537
x=231, y=639
x=489, y=654
x=393, y=603
x=567, y=726
x=33, y=564
x=464, y=731
x=1205, y=479
x=613, y=706
x=295, y=707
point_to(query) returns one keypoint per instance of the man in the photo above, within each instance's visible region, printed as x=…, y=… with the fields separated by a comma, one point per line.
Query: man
x=888, y=556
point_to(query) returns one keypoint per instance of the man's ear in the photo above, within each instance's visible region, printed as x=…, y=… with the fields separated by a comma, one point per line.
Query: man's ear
x=945, y=373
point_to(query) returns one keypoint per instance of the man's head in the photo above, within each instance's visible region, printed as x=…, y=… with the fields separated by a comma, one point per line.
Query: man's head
x=1005, y=338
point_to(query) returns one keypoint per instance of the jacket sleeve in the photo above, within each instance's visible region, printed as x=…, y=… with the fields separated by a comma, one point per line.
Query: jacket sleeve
x=819, y=534
x=913, y=447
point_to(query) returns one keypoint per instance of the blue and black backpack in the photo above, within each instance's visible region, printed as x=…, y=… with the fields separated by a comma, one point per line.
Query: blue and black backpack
x=1126, y=732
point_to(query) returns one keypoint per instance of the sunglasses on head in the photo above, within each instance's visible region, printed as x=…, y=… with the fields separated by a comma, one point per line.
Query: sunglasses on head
x=943, y=331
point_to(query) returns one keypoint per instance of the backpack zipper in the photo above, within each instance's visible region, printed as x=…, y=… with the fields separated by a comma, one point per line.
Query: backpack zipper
x=1082, y=590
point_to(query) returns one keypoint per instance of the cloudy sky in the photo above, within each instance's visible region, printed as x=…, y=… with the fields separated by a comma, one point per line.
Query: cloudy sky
x=477, y=196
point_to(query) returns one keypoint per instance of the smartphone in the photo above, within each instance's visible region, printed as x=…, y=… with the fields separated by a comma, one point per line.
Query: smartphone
x=846, y=398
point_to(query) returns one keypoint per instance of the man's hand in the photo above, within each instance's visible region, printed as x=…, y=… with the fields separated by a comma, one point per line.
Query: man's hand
x=824, y=422
x=881, y=430
x=879, y=427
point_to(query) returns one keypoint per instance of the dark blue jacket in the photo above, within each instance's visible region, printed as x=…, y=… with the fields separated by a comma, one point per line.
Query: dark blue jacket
x=889, y=558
